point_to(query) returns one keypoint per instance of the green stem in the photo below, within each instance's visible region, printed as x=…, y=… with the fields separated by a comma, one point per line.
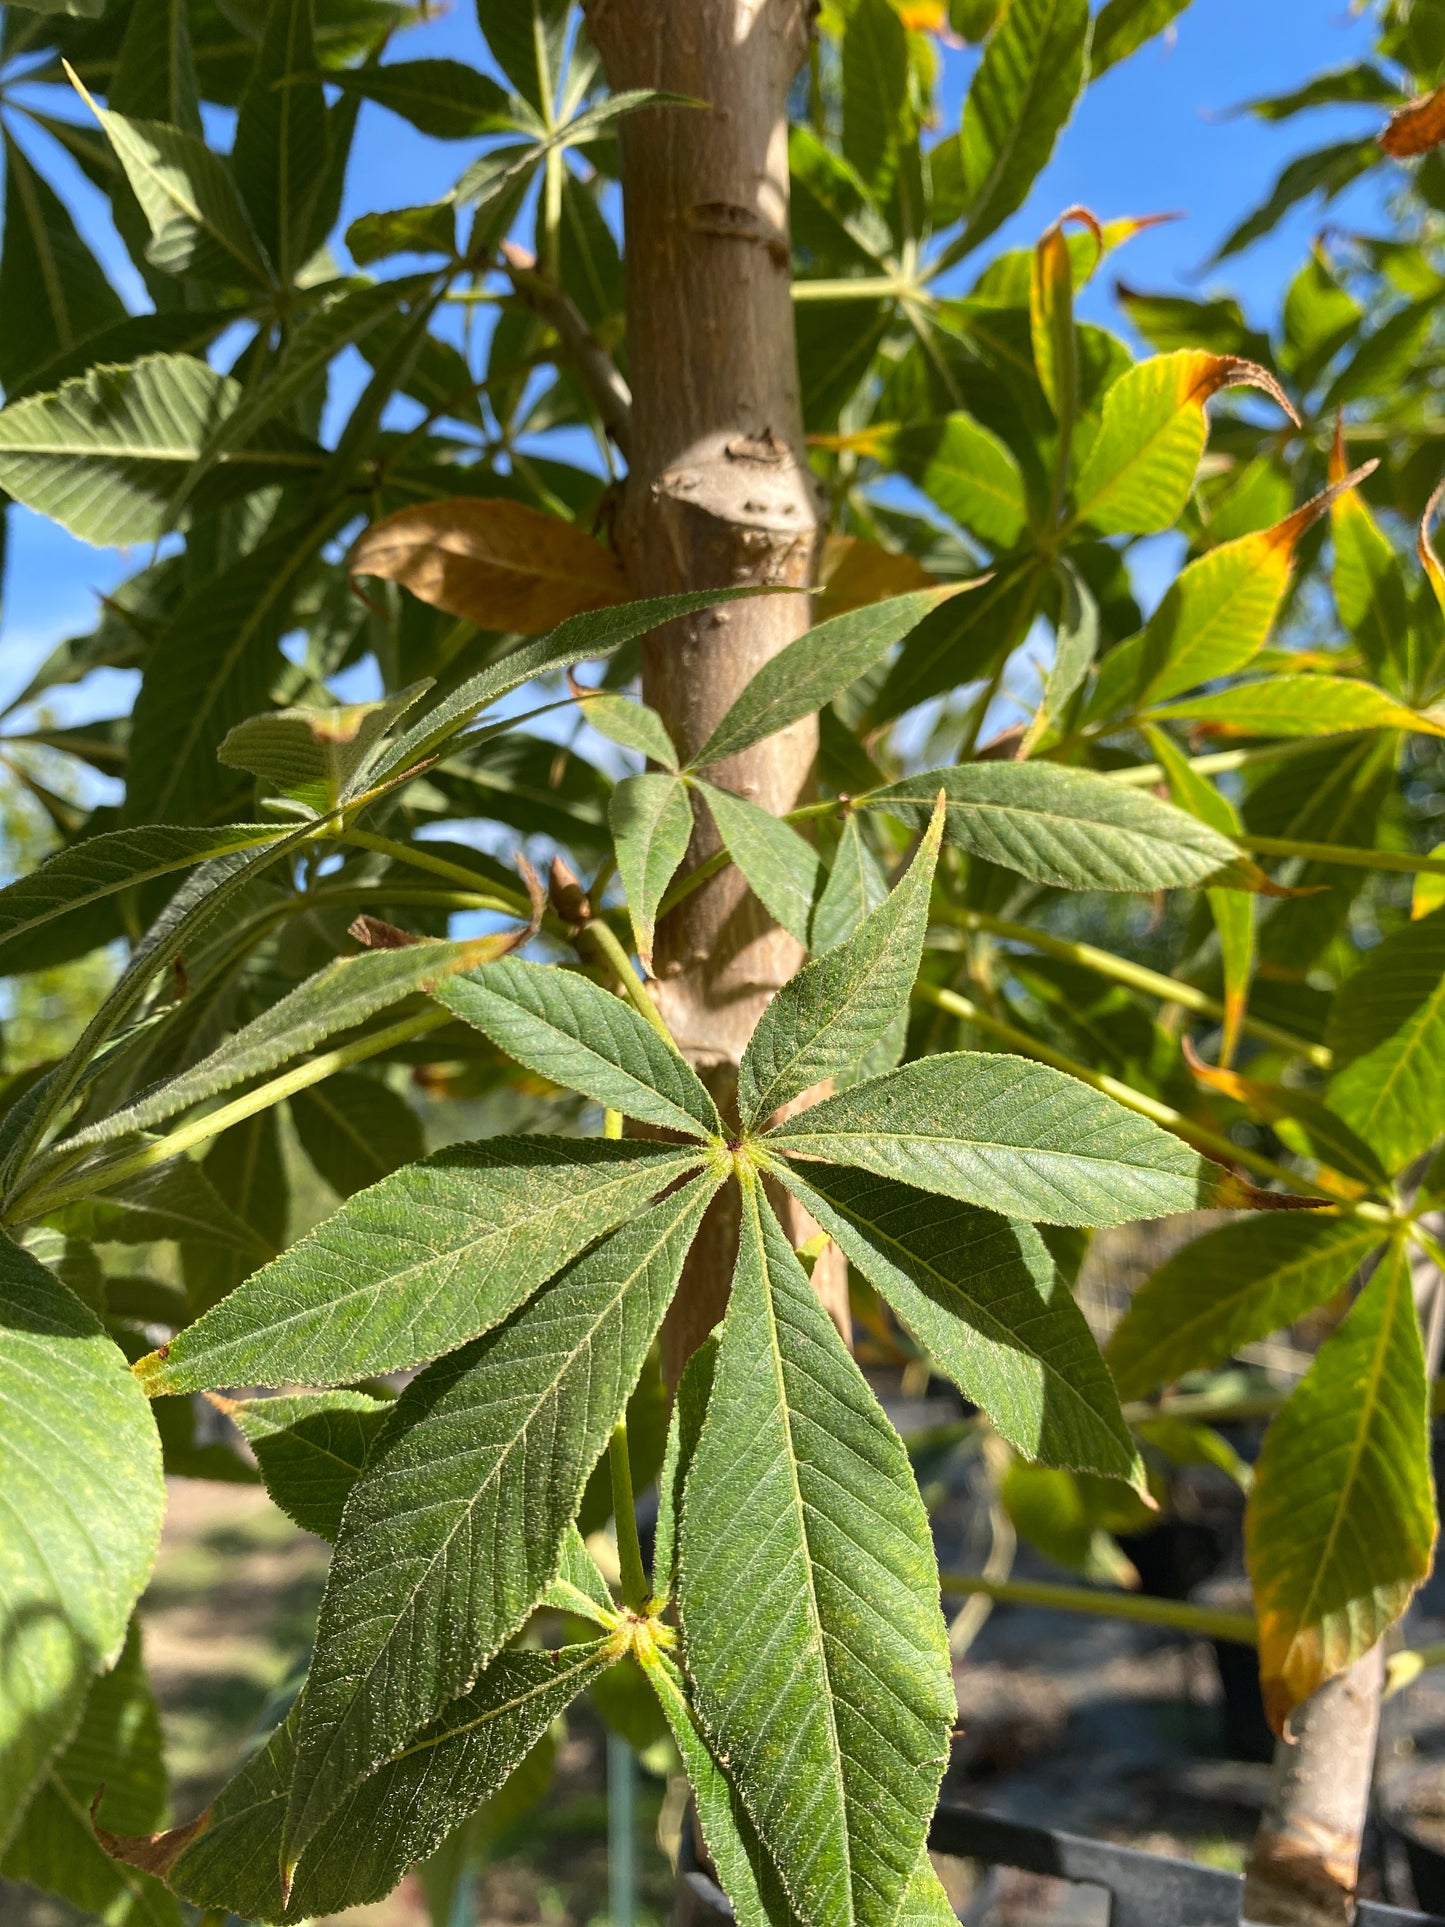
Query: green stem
x=1218, y=762
x=418, y=858
x=1171, y=989
x=1176, y=1614
x=869, y=287
x=1402, y=860
x=635, y=1589
x=37, y=1202
x=604, y=940
x=1163, y=1114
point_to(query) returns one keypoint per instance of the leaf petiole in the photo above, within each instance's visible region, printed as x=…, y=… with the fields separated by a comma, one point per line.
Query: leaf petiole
x=635, y=1590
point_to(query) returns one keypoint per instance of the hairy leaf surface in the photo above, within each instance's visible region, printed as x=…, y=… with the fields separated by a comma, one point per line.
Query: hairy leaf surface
x=981, y=1294
x=1013, y=1136
x=427, y=1259
x=457, y=1522
x=806, y=1585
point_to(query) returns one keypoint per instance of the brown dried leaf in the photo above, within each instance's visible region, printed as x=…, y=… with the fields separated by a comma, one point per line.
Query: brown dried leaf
x=857, y=572
x=1416, y=127
x=499, y=564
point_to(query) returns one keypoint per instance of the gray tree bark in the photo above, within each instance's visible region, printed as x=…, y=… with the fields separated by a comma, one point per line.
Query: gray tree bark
x=718, y=494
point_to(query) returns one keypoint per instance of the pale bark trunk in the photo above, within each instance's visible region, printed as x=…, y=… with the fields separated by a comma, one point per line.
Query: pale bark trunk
x=718, y=494
x=1306, y=1854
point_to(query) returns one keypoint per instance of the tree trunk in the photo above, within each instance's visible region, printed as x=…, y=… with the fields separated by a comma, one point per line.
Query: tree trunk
x=1306, y=1854
x=718, y=494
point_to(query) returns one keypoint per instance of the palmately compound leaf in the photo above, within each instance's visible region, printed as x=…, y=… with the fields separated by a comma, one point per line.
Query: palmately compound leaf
x=429, y=1258
x=982, y=1296
x=582, y=1037
x=342, y=994
x=457, y=1523
x=1231, y=1286
x=36, y=910
x=1341, y=1519
x=117, y=1747
x=230, y=1860
x=843, y=1003
x=815, y=668
x=808, y=1593
x=311, y=1447
x=1387, y=1030
x=1015, y=1137
x=81, y=1505
x=1067, y=827
x=748, y=1878
x=651, y=820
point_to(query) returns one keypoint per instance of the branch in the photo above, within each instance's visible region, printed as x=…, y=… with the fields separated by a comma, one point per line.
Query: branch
x=590, y=361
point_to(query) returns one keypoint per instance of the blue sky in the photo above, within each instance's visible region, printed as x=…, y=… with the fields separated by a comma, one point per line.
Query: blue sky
x=1153, y=136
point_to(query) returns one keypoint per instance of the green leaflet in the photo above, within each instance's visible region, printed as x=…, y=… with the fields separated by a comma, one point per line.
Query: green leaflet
x=781, y=868
x=456, y=1525
x=597, y=632
x=53, y=292
x=398, y=1815
x=279, y=154
x=578, y=1586
x=965, y=468
x=631, y=724
x=198, y=222
x=1213, y=619
x=211, y=668
x=981, y=1294
x=427, y=1259
x=155, y=77
x=338, y=997
x=356, y=1130
x=1021, y=96
x=117, y=1746
x=817, y=667
x=1301, y=706
x=1122, y=27
x=854, y=886
x=1014, y=1136
x=748, y=1877
x=876, y=117
x=1234, y=911
x=1369, y=583
x=311, y=1448
x=807, y=1590
x=175, y=1201
x=104, y=453
x=1387, y=1029
x=311, y=755
x=82, y=1501
x=689, y=1408
x=651, y=821
x=527, y=39
x=443, y=98
x=1068, y=827
x=1341, y=1519
x=1229, y=1287
x=581, y=1036
x=68, y=883
x=843, y=1003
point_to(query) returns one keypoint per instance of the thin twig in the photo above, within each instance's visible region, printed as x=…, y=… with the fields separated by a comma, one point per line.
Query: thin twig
x=590, y=361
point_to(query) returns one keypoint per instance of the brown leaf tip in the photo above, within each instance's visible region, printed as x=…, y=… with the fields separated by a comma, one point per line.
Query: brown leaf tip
x=372, y=933
x=152, y=1853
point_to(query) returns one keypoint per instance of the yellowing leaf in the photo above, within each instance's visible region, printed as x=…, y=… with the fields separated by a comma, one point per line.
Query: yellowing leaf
x=1301, y=706
x=1429, y=891
x=499, y=564
x=857, y=572
x=1425, y=547
x=1215, y=616
x=1051, y=313
x=1137, y=475
x=1341, y=1521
